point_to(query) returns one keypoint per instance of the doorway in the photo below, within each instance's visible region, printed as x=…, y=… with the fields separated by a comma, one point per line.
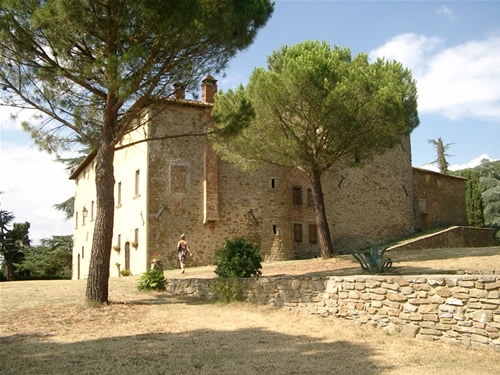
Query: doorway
x=127, y=255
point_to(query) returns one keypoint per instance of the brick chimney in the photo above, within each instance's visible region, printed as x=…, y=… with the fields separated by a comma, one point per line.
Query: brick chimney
x=179, y=91
x=208, y=89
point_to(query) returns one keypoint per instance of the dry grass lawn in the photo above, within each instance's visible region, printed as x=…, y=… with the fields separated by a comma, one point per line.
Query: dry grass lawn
x=45, y=328
x=406, y=262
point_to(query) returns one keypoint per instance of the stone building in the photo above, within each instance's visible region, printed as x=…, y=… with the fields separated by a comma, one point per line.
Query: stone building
x=439, y=201
x=178, y=185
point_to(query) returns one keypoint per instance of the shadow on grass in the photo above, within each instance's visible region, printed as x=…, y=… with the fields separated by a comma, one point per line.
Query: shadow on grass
x=243, y=351
x=164, y=299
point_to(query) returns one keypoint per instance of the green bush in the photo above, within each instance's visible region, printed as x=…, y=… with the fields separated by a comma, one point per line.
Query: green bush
x=227, y=289
x=125, y=272
x=238, y=258
x=373, y=260
x=151, y=280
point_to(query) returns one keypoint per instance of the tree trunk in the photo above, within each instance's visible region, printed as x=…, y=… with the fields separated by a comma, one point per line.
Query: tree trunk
x=98, y=279
x=9, y=265
x=325, y=241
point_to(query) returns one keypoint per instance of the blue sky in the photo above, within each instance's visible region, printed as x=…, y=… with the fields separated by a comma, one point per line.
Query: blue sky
x=452, y=47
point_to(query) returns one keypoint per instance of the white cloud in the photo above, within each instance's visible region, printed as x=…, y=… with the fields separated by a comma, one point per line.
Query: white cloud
x=458, y=82
x=13, y=117
x=471, y=164
x=456, y=167
x=231, y=82
x=411, y=50
x=32, y=182
x=443, y=10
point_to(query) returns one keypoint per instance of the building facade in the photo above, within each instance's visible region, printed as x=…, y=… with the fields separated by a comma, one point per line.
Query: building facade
x=173, y=185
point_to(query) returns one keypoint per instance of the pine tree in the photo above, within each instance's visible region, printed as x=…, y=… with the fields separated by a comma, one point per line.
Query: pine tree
x=313, y=108
x=473, y=199
x=91, y=68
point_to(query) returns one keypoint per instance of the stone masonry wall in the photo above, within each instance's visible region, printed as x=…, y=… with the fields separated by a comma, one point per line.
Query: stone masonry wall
x=440, y=199
x=455, y=237
x=458, y=309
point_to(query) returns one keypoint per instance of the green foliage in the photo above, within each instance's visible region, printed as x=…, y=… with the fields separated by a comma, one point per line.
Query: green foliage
x=68, y=57
x=151, y=280
x=238, y=258
x=490, y=190
x=315, y=105
x=312, y=108
x=93, y=67
x=373, y=260
x=14, y=242
x=125, y=272
x=483, y=194
x=228, y=290
x=49, y=260
x=67, y=207
x=473, y=198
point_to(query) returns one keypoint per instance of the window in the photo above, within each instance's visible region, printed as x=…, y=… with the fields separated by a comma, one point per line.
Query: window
x=313, y=234
x=119, y=240
x=275, y=229
x=310, y=198
x=76, y=219
x=297, y=232
x=178, y=178
x=137, y=175
x=422, y=206
x=84, y=215
x=136, y=235
x=297, y=196
x=119, y=194
x=273, y=183
x=92, y=211
x=83, y=252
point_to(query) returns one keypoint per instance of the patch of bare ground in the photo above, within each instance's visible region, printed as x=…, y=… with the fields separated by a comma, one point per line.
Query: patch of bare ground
x=45, y=328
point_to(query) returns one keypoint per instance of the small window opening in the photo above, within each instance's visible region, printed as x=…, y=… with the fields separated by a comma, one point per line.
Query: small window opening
x=297, y=196
x=275, y=229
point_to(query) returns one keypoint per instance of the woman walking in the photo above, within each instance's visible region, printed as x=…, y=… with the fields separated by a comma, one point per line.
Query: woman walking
x=183, y=249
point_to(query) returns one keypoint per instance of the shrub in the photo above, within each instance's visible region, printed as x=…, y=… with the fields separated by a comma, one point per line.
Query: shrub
x=238, y=258
x=151, y=280
x=125, y=272
x=227, y=289
x=373, y=260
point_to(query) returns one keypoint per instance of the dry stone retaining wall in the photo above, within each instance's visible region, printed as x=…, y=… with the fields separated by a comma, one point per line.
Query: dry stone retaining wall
x=458, y=309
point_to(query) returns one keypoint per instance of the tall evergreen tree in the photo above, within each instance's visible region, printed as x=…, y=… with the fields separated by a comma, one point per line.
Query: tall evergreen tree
x=92, y=67
x=315, y=107
x=49, y=260
x=13, y=242
x=441, y=154
x=473, y=199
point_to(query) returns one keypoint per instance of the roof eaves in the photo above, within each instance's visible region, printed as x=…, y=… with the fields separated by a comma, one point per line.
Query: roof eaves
x=423, y=170
x=83, y=165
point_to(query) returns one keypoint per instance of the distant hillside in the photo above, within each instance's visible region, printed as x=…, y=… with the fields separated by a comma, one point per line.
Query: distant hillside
x=488, y=175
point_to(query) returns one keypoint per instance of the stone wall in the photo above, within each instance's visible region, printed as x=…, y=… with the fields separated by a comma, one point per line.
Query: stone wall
x=455, y=237
x=458, y=309
x=440, y=199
